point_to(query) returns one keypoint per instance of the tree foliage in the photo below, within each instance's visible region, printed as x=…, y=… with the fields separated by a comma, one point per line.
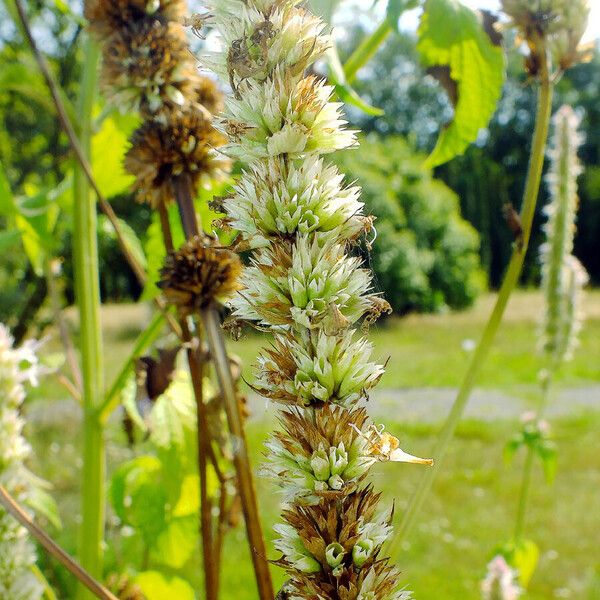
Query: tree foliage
x=425, y=256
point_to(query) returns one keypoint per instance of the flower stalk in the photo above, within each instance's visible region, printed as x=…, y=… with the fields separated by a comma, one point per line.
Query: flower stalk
x=306, y=289
x=562, y=276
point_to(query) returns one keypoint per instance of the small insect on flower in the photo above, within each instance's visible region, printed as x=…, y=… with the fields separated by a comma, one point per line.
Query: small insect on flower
x=197, y=23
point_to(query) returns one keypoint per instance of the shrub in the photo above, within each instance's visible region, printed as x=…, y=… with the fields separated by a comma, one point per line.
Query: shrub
x=426, y=256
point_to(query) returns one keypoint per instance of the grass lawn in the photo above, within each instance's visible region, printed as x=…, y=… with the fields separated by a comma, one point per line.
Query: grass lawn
x=472, y=507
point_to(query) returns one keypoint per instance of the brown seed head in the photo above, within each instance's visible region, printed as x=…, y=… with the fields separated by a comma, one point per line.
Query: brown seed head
x=123, y=588
x=196, y=275
x=162, y=151
x=108, y=16
x=147, y=67
x=338, y=521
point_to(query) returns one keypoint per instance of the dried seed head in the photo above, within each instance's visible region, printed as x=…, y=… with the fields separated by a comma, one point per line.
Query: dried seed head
x=554, y=24
x=331, y=549
x=147, y=67
x=160, y=152
x=196, y=275
x=208, y=94
x=123, y=588
x=108, y=16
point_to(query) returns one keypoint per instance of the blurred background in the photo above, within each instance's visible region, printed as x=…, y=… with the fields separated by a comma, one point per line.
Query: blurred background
x=441, y=249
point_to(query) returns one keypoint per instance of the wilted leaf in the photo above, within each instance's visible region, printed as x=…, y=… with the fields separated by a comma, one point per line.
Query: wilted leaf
x=157, y=586
x=451, y=35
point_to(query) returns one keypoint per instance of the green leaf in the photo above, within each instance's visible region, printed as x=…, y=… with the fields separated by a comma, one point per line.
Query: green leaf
x=343, y=88
x=524, y=557
x=176, y=544
x=109, y=146
x=139, y=497
x=7, y=202
x=42, y=503
x=154, y=248
x=9, y=239
x=130, y=236
x=455, y=46
x=546, y=450
x=395, y=8
x=189, y=497
x=157, y=586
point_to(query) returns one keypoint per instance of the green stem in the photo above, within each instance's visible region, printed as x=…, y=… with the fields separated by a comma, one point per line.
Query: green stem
x=524, y=494
x=366, y=50
x=87, y=289
x=534, y=174
x=147, y=337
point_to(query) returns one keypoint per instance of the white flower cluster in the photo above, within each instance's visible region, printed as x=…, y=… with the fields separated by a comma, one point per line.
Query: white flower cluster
x=302, y=285
x=500, y=582
x=17, y=552
x=562, y=274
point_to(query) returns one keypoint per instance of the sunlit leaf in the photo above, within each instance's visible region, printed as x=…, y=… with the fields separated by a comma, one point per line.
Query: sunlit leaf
x=109, y=146
x=453, y=43
x=524, y=556
x=177, y=542
x=42, y=503
x=157, y=586
x=138, y=495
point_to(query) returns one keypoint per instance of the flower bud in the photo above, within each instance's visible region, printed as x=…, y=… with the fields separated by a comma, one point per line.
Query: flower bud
x=320, y=465
x=334, y=554
x=338, y=459
x=362, y=551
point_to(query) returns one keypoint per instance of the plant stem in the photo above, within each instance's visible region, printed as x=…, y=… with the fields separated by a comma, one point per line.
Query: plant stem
x=216, y=344
x=366, y=50
x=511, y=278
x=147, y=337
x=11, y=506
x=528, y=467
x=87, y=289
x=202, y=432
x=212, y=325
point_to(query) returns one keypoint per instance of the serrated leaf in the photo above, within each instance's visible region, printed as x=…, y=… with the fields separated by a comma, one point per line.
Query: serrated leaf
x=176, y=543
x=451, y=35
x=157, y=586
x=108, y=151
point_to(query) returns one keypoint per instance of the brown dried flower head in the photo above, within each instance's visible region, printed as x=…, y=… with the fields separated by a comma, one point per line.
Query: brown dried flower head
x=198, y=274
x=162, y=151
x=123, y=588
x=344, y=539
x=108, y=16
x=147, y=67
